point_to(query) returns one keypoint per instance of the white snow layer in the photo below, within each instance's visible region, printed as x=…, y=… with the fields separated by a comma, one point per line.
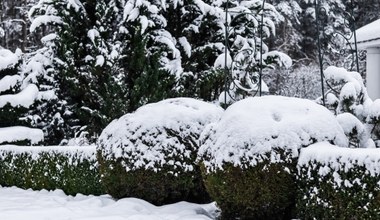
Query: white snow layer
x=8, y=59
x=8, y=82
x=339, y=158
x=73, y=153
x=154, y=134
x=368, y=32
x=18, y=204
x=19, y=133
x=256, y=125
x=352, y=126
x=25, y=98
x=44, y=20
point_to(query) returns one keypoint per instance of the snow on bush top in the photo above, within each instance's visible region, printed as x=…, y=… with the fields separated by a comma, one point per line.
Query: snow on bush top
x=74, y=154
x=334, y=158
x=159, y=134
x=352, y=89
x=8, y=59
x=252, y=127
x=19, y=133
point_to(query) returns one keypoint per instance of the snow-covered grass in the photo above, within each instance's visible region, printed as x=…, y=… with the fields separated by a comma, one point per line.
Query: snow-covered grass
x=18, y=204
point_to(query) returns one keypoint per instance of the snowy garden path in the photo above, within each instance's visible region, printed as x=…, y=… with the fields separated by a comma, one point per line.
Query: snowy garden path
x=18, y=204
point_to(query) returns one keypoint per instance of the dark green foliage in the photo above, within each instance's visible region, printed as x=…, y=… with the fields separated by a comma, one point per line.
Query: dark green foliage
x=51, y=170
x=154, y=156
x=265, y=191
x=161, y=187
x=160, y=184
x=9, y=116
x=144, y=78
x=320, y=197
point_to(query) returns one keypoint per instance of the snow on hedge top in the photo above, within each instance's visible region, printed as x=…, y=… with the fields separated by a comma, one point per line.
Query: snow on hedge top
x=19, y=133
x=8, y=59
x=74, y=154
x=340, y=159
x=252, y=127
x=163, y=133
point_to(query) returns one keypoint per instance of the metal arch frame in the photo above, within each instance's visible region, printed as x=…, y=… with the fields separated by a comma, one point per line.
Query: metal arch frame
x=350, y=40
x=227, y=49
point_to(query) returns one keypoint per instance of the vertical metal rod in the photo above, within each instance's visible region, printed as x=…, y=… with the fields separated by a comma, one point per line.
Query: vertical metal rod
x=261, y=48
x=355, y=41
x=226, y=71
x=320, y=50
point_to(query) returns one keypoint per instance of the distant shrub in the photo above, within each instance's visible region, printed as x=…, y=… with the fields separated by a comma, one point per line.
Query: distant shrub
x=338, y=183
x=249, y=157
x=72, y=169
x=151, y=154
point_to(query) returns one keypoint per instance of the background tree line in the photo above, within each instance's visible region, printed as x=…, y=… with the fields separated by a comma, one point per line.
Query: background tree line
x=102, y=59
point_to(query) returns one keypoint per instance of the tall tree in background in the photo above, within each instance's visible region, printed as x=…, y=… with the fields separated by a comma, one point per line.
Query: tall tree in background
x=15, y=23
x=105, y=58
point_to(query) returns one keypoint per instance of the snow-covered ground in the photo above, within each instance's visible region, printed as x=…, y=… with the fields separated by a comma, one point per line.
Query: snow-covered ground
x=18, y=204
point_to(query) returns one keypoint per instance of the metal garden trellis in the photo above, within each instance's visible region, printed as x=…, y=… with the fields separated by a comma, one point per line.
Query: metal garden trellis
x=321, y=17
x=227, y=49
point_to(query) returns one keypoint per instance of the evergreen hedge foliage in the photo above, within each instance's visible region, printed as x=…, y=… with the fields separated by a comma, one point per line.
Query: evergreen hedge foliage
x=151, y=154
x=339, y=187
x=74, y=170
x=264, y=191
x=160, y=184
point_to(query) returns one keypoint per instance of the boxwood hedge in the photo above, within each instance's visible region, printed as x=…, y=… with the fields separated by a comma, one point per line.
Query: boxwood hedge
x=249, y=157
x=151, y=153
x=72, y=169
x=338, y=183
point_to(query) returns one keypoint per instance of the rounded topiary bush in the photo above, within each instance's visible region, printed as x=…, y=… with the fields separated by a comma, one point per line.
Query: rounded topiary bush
x=151, y=153
x=249, y=157
x=338, y=183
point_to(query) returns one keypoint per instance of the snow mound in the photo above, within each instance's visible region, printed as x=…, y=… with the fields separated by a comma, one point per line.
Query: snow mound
x=252, y=127
x=16, y=203
x=8, y=59
x=156, y=133
x=19, y=133
x=340, y=159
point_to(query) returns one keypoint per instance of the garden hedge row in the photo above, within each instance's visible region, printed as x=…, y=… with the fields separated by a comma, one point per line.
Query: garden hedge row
x=72, y=169
x=338, y=183
x=332, y=182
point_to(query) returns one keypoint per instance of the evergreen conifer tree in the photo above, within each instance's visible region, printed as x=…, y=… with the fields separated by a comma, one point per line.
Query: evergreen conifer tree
x=17, y=95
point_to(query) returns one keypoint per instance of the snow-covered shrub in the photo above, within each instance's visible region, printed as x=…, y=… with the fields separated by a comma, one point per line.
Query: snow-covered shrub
x=347, y=97
x=150, y=154
x=249, y=156
x=338, y=183
x=72, y=169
